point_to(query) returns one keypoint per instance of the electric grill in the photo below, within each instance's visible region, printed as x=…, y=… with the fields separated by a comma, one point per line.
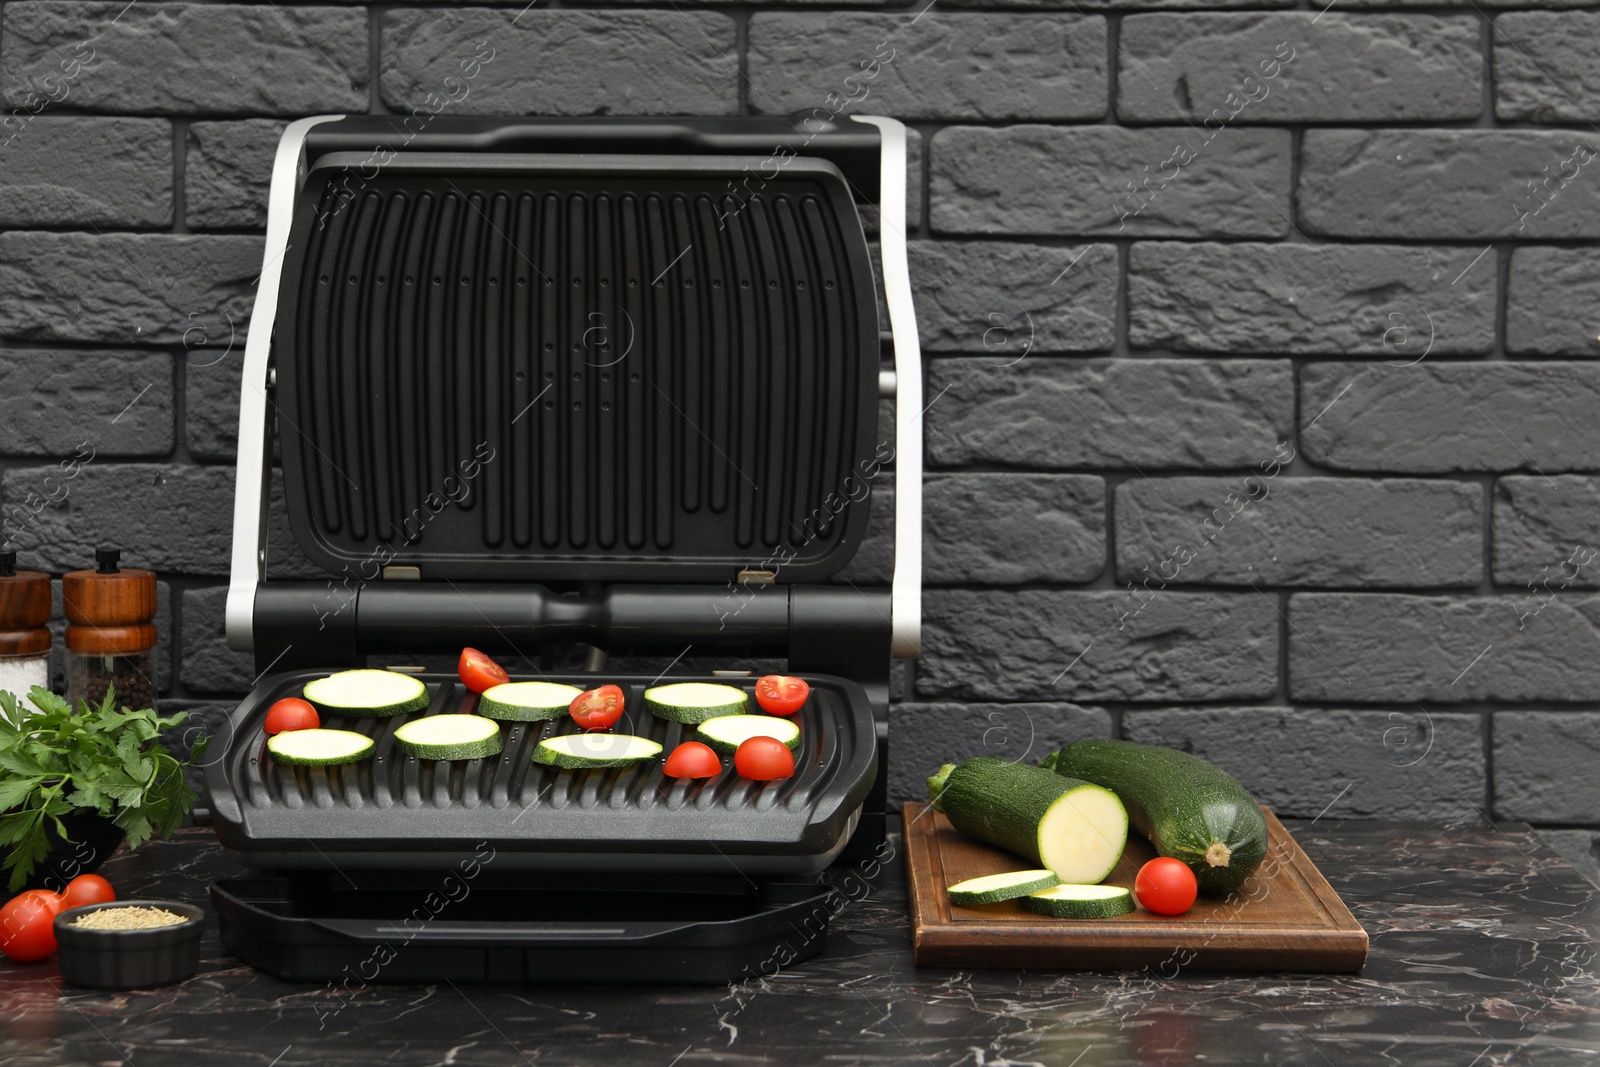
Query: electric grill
x=540, y=381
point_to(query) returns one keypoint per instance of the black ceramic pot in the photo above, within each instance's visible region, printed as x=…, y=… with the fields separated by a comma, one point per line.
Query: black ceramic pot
x=93, y=838
x=129, y=959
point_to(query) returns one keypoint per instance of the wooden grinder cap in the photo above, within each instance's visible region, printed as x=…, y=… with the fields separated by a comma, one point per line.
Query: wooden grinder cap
x=110, y=608
x=24, y=609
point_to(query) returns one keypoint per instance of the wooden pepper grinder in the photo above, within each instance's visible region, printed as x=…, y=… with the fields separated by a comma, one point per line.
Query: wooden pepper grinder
x=24, y=638
x=111, y=640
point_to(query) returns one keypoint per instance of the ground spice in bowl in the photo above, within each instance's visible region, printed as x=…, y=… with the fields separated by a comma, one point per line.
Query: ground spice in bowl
x=130, y=918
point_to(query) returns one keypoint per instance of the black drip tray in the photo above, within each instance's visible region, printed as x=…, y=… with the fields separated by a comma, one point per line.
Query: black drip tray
x=471, y=926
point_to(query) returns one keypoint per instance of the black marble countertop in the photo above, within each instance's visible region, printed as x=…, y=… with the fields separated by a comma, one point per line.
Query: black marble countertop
x=1483, y=952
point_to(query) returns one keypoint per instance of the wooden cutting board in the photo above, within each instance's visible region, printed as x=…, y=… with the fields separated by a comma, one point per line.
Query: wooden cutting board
x=1284, y=918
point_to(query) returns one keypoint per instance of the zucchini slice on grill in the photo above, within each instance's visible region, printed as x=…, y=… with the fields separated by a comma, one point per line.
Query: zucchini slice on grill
x=595, y=750
x=367, y=693
x=695, y=702
x=450, y=737
x=319, y=748
x=527, y=701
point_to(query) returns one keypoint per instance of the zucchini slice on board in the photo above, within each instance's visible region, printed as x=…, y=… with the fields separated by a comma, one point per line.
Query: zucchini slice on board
x=726, y=733
x=595, y=750
x=527, y=701
x=353, y=694
x=1080, y=902
x=1076, y=829
x=1190, y=809
x=993, y=888
x=450, y=737
x=695, y=702
x=319, y=748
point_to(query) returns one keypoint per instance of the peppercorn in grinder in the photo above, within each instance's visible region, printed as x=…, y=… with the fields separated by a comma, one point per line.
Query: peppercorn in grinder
x=111, y=639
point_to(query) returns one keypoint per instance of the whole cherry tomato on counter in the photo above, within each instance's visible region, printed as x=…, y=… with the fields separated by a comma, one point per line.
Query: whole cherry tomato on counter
x=1166, y=886
x=27, y=926
x=87, y=889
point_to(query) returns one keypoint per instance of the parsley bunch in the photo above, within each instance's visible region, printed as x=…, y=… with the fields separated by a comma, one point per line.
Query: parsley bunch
x=54, y=761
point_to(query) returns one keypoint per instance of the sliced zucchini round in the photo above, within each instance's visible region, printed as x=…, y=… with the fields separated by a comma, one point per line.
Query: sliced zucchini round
x=367, y=693
x=450, y=737
x=1080, y=902
x=595, y=750
x=527, y=701
x=319, y=748
x=695, y=702
x=726, y=733
x=993, y=888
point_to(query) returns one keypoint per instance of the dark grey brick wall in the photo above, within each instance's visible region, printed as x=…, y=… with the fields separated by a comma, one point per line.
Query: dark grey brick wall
x=1261, y=388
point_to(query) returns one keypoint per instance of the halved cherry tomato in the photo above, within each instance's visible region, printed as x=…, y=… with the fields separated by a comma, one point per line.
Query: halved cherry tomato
x=87, y=889
x=27, y=927
x=597, y=709
x=781, y=694
x=1166, y=886
x=762, y=759
x=692, y=760
x=479, y=672
x=291, y=713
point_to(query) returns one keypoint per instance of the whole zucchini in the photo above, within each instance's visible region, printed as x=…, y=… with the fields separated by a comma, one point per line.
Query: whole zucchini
x=1076, y=829
x=1190, y=809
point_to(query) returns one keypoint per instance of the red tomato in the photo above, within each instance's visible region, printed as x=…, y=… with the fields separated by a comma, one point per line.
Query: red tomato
x=291, y=713
x=761, y=759
x=479, y=672
x=692, y=760
x=49, y=899
x=27, y=927
x=781, y=694
x=87, y=889
x=1166, y=886
x=597, y=709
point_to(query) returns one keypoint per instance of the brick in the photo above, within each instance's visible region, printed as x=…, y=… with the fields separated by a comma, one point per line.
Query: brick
x=1036, y=644
x=953, y=66
x=1306, y=762
x=1250, y=297
x=922, y=737
x=1116, y=414
x=209, y=665
x=127, y=288
x=559, y=62
x=1544, y=765
x=1451, y=184
x=1366, y=647
x=192, y=59
x=212, y=379
x=1323, y=67
x=1553, y=302
x=228, y=171
x=162, y=516
x=1108, y=180
x=1545, y=534
x=47, y=178
x=1399, y=532
x=118, y=403
x=1011, y=300
x=1435, y=418
x=1547, y=67
x=1004, y=529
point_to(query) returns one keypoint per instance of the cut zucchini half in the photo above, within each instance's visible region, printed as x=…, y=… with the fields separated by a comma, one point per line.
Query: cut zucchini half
x=1080, y=902
x=367, y=693
x=450, y=737
x=595, y=750
x=695, y=702
x=726, y=733
x=527, y=701
x=319, y=748
x=993, y=888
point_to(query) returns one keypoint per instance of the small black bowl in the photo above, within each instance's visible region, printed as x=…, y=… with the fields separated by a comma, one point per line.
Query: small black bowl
x=129, y=959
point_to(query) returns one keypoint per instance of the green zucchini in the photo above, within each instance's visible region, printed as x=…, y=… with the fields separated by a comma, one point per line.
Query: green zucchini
x=993, y=888
x=319, y=748
x=1080, y=902
x=726, y=733
x=575, y=751
x=450, y=737
x=695, y=702
x=351, y=694
x=1190, y=809
x=1076, y=829
x=527, y=701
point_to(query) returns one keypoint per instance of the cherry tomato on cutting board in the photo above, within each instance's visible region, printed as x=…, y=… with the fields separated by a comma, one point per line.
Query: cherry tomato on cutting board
x=479, y=672
x=781, y=694
x=692, y=760
x=291, y=713
x=27, y=927
x=763, y=759
x=87, y=889
x=597, y=709
x=1166, y=886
